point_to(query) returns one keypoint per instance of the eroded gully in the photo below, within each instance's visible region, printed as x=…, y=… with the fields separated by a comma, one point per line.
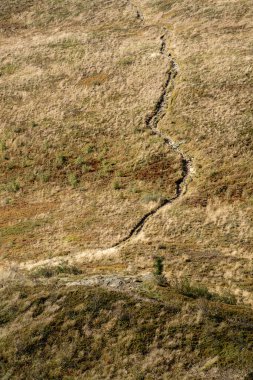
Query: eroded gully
x=151, y=122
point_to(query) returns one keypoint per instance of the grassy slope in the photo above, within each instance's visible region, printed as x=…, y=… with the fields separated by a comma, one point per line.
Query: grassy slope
x=92, y=333
x=77, y=79
x=211, y=114
x=78, y=167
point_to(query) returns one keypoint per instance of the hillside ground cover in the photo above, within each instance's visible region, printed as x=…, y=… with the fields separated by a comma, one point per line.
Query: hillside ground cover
x=79, y=168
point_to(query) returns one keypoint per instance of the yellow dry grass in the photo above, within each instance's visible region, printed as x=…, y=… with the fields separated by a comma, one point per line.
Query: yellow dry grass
x=77, y=80
x=79, y=168
x=75, y=93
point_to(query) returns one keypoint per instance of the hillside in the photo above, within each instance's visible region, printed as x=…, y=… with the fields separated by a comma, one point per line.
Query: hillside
x=81, y=332
x=125, y=141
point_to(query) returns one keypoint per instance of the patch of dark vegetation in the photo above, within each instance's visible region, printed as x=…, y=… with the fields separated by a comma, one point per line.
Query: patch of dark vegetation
x=165, y=6
x=199, y=291
x=53, y=332
x=62, y=269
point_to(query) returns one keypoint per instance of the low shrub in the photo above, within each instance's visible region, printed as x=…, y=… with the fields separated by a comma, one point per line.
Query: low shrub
x=199, y=291
x=48, y=271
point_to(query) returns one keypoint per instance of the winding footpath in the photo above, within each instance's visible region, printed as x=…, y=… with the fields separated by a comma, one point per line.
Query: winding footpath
x=151, y=122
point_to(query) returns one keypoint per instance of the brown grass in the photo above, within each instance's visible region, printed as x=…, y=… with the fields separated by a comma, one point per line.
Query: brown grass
x=210, y=113
x=93, y=333
x=78, y=168
x=74, y=97
x=75, y=92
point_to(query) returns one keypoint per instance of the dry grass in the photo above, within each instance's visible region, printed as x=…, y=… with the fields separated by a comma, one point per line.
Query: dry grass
x=75, y=91
x=74, y=95
x=78, y=169
x=211, y=115
x=72, y=138
x=92, y=333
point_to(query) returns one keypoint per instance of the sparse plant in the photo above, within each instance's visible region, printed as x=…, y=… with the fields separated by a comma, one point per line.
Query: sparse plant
x=90, y=148
x=193, y=291
x=79, y=161
x=86, y=168
x=11, y=165
x=13, y=186
x=3, y=146
x=200, y=291
x=50, y=271
x=61, y=160
x=44, y=176
x=34, y=124
x=153, y=198
x=127, y=61
x=162, y=246
x=227, y=298
x=158, y=268
x=46, y=272
x=73, y=179
x=158, y=265
x=117, y=185
x=7, y=69
x=135, y=190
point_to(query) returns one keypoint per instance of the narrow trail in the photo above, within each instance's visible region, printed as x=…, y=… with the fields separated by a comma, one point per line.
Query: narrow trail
x=151, y=122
